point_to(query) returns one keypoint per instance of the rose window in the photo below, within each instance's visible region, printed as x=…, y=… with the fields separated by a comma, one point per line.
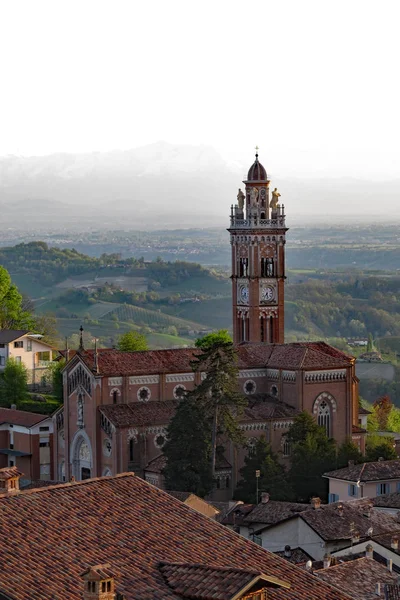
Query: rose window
x=159, y=440
x=143, y=394
x=179, y=392
x=249, y=387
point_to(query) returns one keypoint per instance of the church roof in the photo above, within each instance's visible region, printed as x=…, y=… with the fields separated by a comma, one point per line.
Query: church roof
x=298, y=355
x=138, y=530
x=159, y=412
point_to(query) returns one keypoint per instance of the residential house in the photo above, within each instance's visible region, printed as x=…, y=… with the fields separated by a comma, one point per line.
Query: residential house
x=26, y=441
x=29, y=349
x=363, y=578
x=121, y=538
x=327, y=528
x=364, y=480
x=383, y=548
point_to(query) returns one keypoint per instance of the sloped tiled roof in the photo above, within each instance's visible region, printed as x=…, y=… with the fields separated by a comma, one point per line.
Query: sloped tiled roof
x=307, y=355
x=337, y=521
x=387, y=501
x=358, y=578
x=160, y=412
x=157, y=465
x=49, y=536
x=9, y=335
x=274, y=511
x=140, y=414
x=202, y=582
x=20, y=417
x=182, y=496
x=370, y=471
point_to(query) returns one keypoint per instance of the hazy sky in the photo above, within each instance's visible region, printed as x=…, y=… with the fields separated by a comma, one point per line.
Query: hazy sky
x=314, y=83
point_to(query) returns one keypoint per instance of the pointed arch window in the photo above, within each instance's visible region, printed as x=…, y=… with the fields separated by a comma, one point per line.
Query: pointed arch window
x=324, y=416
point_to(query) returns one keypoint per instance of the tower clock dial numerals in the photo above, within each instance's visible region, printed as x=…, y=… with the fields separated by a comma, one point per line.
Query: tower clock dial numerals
x=267, y=293
x=244, y=293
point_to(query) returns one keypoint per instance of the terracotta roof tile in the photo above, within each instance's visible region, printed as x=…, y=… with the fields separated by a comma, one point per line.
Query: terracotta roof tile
x=157, y=465
x=339, y=520
x=274, y=511
x=20, y=417
x=297, y=355
x=140, y=414
x=9, y=473
x=370, y=471
x=132, y=526
x=358, y=577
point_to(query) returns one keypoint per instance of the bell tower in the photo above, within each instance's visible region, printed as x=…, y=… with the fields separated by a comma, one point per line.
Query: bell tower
x=257, y=232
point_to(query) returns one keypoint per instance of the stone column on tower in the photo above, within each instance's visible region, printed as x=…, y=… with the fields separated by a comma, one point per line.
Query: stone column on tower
x=258, y=257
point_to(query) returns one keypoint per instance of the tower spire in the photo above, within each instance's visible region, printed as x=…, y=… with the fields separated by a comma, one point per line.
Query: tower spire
x=81, y=346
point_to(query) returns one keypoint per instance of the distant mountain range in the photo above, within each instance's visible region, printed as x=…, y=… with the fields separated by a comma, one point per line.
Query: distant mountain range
x=165, y=186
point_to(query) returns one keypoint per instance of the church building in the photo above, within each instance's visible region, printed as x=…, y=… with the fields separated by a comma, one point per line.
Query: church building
x=117, y=405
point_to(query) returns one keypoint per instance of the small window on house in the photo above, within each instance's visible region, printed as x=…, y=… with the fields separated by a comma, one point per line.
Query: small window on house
x=398, y=486
x=17, y=359
x=2, y=345
x=108, y=586
x=333, y=498
x=352, y=491
x=29, y=345
x=44, y=428
x=115, y=396
x=44, y=444
x=19, y=344
x=12, y=463
x=2, y=361
x=103, y=586
x=382, y=488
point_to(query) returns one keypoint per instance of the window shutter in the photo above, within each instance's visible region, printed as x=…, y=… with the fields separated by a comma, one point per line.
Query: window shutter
x=349, y=490
x=378, y=489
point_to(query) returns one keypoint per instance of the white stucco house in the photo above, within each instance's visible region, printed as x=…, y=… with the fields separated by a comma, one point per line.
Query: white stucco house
x=27, y=348
x=364, y=480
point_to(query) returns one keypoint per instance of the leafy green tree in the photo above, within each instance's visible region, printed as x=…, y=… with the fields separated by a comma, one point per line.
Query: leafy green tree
x=212, y=339
x=217, y=393
x=57, y=379
x=12, y=312
x=272, y=478
x=13, y=383
x=313, y=453
x=348, y=451
x=132, y=341
x=378, y=446
x=382, y=408
x=188, y=450
x=393, y=422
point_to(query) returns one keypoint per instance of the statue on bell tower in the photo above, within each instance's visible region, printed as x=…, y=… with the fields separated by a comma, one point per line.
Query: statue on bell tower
x=258, y=260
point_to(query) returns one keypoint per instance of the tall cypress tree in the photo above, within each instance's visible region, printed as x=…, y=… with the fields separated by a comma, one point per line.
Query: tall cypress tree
x=188, y=450
x=273, y=478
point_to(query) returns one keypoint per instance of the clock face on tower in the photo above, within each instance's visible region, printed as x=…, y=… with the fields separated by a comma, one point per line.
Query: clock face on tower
x=267, y=293
x=244, y=293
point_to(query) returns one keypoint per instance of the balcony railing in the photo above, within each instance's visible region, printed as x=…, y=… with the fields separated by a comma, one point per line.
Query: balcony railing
x=256, y=223
x=43, y=364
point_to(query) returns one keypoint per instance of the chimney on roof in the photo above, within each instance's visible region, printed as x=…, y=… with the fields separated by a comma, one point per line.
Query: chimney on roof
x=394, y=542
x=367, y=509
x=381, y=459
x=309, y=565
x=288, y=552
x=369, y=551
x=264, y=498
x=14, y=406
x=390, y=564
x=98, y=583
x=316, y=503
x=351, y=463
x=340, y=510
x=327, y=561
